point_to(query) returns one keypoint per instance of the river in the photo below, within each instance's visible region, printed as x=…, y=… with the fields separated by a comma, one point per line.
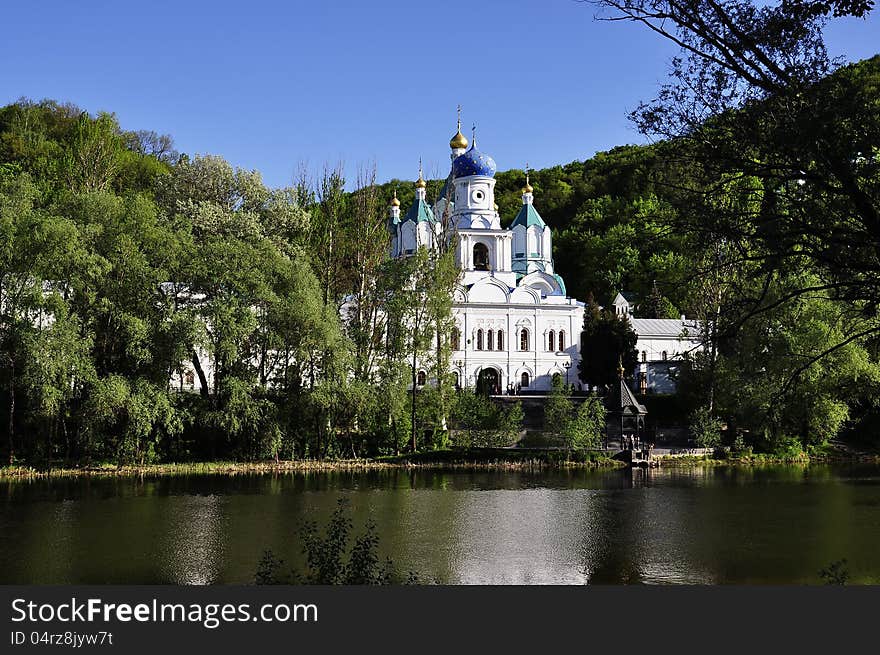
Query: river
x=771, y=525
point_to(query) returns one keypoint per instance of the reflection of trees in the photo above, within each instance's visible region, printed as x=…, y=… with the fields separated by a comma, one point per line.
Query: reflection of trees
x=612, y=544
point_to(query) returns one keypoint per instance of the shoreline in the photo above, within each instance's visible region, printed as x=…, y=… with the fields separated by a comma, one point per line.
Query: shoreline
x=422, y=461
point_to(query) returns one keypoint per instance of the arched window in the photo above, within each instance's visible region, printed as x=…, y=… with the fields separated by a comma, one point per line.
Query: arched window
x=455, y=380
x=500, y=339
x=524, y=380
x=490, y=340
x=524, y=339
x=644, y=356
x=421, y=378
x=562, y=340
x=481, y=257
x=456, y=338
x=479, y=339
x=551, y=341
x=664, y=355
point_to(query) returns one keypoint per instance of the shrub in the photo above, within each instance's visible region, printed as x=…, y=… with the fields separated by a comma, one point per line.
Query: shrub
x=330, y=560
x=705, y=428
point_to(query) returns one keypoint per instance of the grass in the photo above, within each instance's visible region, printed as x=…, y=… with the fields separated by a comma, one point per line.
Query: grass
x=471, y=459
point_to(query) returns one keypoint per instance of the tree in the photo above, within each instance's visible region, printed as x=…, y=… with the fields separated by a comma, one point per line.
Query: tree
x=607, y=341
x=705, y=428
x=656, y=305
x=586, y=430
x=784, y=345
x=753, y=99
x=558, y=409
x=481, y=423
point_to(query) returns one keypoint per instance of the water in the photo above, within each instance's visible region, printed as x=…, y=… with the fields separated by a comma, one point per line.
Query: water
x=777, y=525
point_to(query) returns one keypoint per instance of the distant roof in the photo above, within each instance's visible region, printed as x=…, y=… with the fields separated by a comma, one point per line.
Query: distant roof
x=624, y=296
x=665, y=327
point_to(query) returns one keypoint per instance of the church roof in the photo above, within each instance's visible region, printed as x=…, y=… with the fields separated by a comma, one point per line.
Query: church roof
x=561, y=283
x=664, y=327
x=420, y=211
x=528, y=216
x=473, y=162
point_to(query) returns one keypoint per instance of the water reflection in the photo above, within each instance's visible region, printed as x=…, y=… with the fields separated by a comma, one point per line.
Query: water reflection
x=769, y=525
x=191, y=544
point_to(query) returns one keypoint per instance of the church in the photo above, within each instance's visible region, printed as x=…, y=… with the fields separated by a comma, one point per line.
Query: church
x=516, y=328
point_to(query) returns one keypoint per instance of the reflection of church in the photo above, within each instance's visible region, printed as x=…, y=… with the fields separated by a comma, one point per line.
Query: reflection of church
x=515, y=325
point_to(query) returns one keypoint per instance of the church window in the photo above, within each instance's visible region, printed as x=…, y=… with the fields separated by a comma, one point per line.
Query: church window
x=490, y=340
x=524, y=380
x=455, y=380
x=644, y=356
x=479, y=339
x=456, y=339
x=664, y=355
x=551, y=341
x=524, y=339
x=481, y=257
x=421, y=379
x=562, y=340
x=500, y=339
x=643, y=382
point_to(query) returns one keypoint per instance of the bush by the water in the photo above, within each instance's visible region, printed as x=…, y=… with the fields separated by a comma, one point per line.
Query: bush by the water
x=331, y=560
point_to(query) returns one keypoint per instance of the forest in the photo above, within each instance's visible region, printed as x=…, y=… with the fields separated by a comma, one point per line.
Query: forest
x=122, y=259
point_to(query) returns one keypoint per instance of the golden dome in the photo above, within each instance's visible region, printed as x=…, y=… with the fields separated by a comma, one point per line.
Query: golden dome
x=420, y=183
x=394, y=201
x=459, y=141
x=528, y=187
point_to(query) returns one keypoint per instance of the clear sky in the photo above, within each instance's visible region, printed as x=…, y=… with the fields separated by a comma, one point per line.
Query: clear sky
x=270, y=83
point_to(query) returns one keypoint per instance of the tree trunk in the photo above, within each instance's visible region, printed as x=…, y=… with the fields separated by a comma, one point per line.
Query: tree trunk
x=203, y=381
x=414, y=443
x=12, y=412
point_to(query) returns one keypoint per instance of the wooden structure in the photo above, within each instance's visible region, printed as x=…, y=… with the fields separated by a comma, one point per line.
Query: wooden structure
x=624, y=410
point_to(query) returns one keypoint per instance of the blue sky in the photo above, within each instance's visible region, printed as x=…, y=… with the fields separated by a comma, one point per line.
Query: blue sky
x=269, y=84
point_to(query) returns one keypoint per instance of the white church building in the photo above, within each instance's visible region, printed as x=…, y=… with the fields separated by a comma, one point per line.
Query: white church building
x=516, y=327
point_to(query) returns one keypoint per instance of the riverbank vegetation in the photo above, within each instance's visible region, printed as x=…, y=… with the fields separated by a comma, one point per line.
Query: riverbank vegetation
x=125, y=265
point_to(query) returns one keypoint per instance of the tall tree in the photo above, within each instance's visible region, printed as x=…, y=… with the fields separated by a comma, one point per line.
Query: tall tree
x=753, y=99
x=607, y=340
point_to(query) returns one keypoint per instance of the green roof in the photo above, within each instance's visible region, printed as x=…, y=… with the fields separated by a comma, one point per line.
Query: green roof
x=419, y=212
x=528, y=216
x=561, y=284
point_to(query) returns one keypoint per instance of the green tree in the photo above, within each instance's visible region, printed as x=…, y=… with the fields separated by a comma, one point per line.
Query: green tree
x=705, y=428
x=586, y=430
x=755, y=97
x=478, y=422
x=558, y=409
x=607, y=341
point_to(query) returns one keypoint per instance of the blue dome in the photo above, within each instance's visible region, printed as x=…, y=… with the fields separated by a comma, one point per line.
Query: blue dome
x=473, y=162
